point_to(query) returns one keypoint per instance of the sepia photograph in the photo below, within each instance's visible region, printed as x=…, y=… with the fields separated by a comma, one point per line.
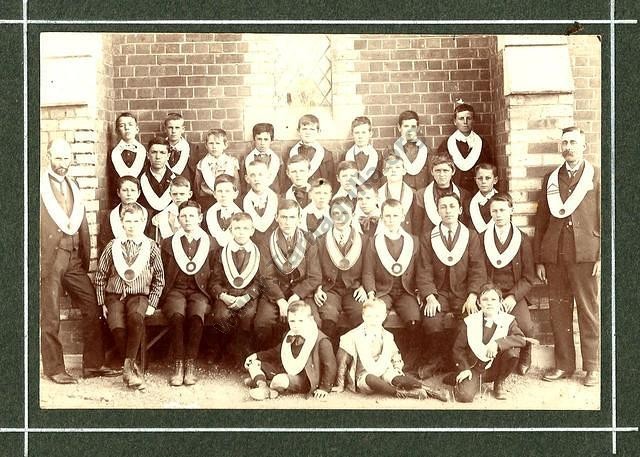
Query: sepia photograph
x=320, y=221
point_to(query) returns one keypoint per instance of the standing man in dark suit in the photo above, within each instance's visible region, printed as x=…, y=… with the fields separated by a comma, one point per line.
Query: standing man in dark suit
x=567, y=256
x=64, y=257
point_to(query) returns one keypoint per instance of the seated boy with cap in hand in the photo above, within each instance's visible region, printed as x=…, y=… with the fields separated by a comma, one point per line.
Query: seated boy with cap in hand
x=303, y=362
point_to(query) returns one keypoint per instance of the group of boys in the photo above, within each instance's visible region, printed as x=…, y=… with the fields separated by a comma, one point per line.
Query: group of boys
x=423, y=233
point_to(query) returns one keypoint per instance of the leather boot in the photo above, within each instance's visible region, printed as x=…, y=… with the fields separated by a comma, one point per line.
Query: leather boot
x=190, y=372
x=178, y=375
x=127, y=370
x=524, y=363
x=135, y=380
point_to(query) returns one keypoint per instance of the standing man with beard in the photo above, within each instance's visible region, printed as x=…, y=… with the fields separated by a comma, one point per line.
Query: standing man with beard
x=567, y=256
x=64, y=260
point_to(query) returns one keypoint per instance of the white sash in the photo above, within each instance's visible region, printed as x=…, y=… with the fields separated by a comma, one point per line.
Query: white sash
x=116, y=223
x=383, y=362
x=449, y=258
x=371, y=165
x=185, y=150
x=325, y=224
x=190, y=267
x=344, y=262
x=240, y=279
x=475, y=327
x=273, y=168
x=128, y=272
x=157, y=203
x=138, y=163
x=287, y=264
x=315, y=161
x=161, y=220
x=501, y=260
x=475, y=143
x=221, y=236
x=430, y=205
x=421, y=158
x=406, y=196
x=262, y=223
x=68, y=224
x=395, y=267
x=295, y=365
x=211, y=166
x=477, y=201
x=561, y=209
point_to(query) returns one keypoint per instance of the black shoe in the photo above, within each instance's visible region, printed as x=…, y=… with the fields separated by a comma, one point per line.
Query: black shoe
x=63, y=378
x=498, y=390
x=102, y=371
x=556, y=374
x=591, y=379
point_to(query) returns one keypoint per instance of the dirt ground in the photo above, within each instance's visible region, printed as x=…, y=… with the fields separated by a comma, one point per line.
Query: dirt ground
x=221, y=387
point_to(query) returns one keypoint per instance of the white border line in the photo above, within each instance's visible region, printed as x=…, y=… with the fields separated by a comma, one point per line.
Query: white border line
x=612, y=172
x=322, y=430
x=324, y=22
x=25, y=281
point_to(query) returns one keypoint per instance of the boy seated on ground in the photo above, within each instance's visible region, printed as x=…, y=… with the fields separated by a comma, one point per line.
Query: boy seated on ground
x=239, y=277
x=370, y=362
x=302, y=362
x=129, y=281
x=340, y=251
x=166, y=222
x=486, y=348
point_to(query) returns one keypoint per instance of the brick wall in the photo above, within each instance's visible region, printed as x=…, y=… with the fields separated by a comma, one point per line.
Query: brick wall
x=211, y=79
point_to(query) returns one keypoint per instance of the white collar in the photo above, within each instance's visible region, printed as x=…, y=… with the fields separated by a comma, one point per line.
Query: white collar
x=497, y=259
x=190, y=267
x=446, y=256
x=475, y=143
x=415, y=167
x=240, y=279
x=316, y=160
x=395, y=267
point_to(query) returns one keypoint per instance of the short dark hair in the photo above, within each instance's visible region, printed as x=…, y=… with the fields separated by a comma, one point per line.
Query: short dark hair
x=180, y=181
x=263, y=127
x=501, y=197
x=158, y=140
x=217, y=133
x=190, y=204
x=463, y=107
x=298, y=306
x=367, y=186
x=486, y=166
x=346, y=165
x=342, y=201
x=573, y=128
x=132, y=179
x=392, y=202
x=130, y=208
x=487, y=287
x=126, y=114
x=439, y=159
x=286, y=203
x=241, y=217
x=406, y=115
x=297, y=158
x=360, y=120
x=225, y=178
x=392, y=158
x=449, y=194
x=308, y=119
x=173, y=117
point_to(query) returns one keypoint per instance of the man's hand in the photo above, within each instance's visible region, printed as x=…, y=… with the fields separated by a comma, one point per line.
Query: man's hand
x=371, y=294
x=541, y=272
x=250, y=360
x=320, y=296
x=227, y=299
x=283, y=306
x=464, y=374
x=596, y=269
x=293, y=298
x=104, y=311
x=492, y=349
x=360, y=294
x=150, y=310
x=470, y=305
x=240, y=302
x=320, y=394
x=432, y=306
x=508, y=303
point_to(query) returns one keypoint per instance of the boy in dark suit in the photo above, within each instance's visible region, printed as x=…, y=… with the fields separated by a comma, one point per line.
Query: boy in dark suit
x=367, y=159
x=397, y=189
x=389, y=273
x=263, y=136
x=188, y=258
x=486, y=348
x=465, y=147
x=367, y=213
x=479, y=212
x=413, y=152
x=321, y=163
x=295, y=274
x=340, y=251
x=303, y=362
x=315, y=216
x=453, y=270
x=509, y=261
x=156, y=179
x=183, y=155
x=261, y=201
x=567, y=256
x=127, y=158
